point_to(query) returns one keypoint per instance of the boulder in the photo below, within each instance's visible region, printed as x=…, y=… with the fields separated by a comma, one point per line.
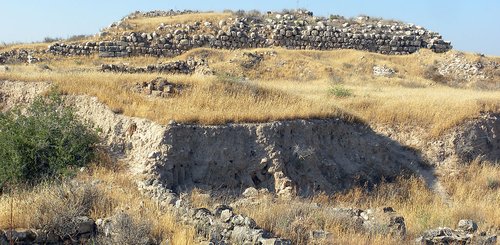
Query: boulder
x=20, y=235
x=250, y=192
x=3, y=238
x=383, y=71
x=384, y=221
x=226, y=215
x=320, y=235
x=466, y=233
x=467, y=225
x=4, y=68
x=84, y=225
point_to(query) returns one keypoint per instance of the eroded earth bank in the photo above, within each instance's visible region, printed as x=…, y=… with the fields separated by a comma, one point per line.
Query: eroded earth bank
x=286, y=158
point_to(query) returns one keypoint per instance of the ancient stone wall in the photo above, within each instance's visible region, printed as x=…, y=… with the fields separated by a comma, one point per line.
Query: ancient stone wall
x=188, y=66
x=291, y=31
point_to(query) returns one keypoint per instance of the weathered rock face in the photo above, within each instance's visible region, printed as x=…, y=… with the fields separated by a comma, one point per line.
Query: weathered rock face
x=290, y=30
x=477, y=138
x=299, y=156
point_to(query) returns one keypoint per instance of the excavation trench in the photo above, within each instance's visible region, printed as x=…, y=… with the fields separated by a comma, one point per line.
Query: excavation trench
x=287, y=157
x=296, y=157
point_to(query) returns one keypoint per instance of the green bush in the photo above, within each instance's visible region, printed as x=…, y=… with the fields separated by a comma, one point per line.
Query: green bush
x=44, y=141
x=340, y=91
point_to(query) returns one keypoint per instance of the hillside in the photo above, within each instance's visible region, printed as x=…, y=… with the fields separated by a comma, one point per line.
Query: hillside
x=304, y=125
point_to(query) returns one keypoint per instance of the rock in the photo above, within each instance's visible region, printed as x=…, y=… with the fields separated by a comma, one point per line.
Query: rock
x=250, y=223
x=84, y=225
x=184, y=42
x=384, y=221
x=41, y=236
x=238, y=220
x=320, y=235
x=274, y=241
x=383, y=71
x=3, y=238
x=467, y=225
x=4, y=68
x=465, y=234
x=442, y=236
x=20, y=235
x=250, y=192
x=226, y=215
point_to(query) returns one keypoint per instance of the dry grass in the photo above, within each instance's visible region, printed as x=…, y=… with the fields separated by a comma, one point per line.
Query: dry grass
x=290, y=84
x=47, y=205
x=435, y=108
x=205, y=100
x=151, y=24
x=473, y=196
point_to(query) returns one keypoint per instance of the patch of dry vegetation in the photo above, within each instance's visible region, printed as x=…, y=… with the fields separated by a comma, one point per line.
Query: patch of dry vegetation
x=285, y=84
x=145, y=24
x=100, y=193
x=205, y=99
x=474, y=194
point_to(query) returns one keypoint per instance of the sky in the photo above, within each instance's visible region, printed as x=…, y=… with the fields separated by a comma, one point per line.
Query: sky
x=472, y=26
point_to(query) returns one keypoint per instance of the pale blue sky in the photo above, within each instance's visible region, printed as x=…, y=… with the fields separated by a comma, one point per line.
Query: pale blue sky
x=471, y=25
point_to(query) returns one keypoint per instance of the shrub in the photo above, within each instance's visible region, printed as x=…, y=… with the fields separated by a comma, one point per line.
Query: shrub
x=340, y=91
x=51, y=39
x=58, y=206
x=46, y=140
x=127, y=230
x=76, y=38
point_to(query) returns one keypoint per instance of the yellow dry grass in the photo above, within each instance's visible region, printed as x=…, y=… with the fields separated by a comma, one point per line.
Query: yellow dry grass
x=204, y=100
x=436, y=108
x=114, y=193
x=144, y=24
x=474, y=194
x=286, y=84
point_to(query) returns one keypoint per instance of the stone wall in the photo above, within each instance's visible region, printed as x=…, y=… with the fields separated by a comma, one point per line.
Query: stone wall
x=188, y=66
x=18, y=56
x=291, y=31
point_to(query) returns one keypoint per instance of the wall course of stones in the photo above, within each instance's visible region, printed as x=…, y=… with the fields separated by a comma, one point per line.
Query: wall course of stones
x=291, y=31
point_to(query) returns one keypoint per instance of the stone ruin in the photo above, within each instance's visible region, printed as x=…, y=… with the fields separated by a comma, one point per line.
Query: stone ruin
x=383, y=71
x=18, y=56
x=295, y=30
x=159, y=87
x=189, y=66
x=466, y=233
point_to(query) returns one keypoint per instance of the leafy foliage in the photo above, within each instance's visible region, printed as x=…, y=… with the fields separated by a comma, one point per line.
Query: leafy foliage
x=44, y=141
x=340, y=91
